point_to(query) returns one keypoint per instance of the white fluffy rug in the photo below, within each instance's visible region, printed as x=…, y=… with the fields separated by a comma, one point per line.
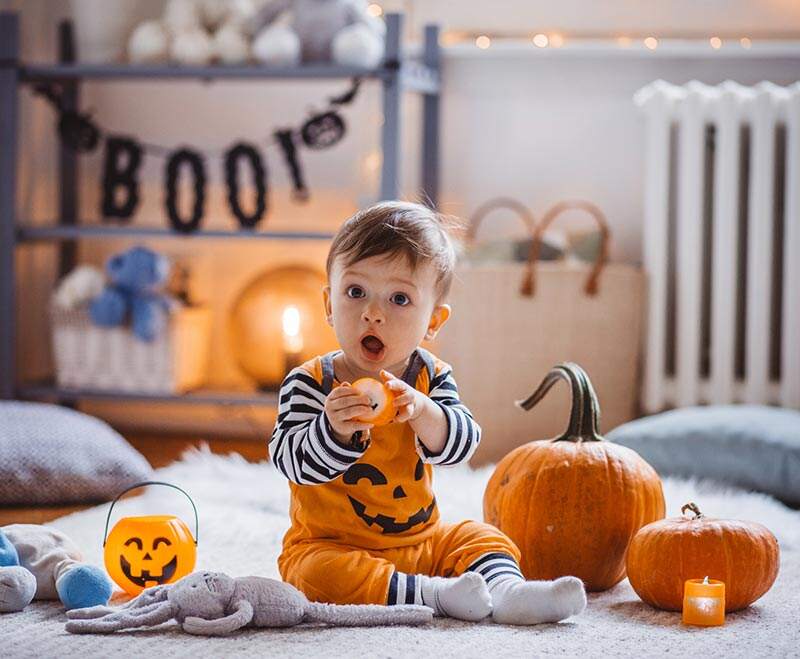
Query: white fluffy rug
x=243, y=515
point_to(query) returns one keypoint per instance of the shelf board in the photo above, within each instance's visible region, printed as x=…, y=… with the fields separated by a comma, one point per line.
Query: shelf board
x=51, y=72
x=76, y=232
x=413, y=75
x=48, y=389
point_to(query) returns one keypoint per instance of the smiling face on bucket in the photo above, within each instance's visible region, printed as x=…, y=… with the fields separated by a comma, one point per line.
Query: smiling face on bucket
x=381, y=308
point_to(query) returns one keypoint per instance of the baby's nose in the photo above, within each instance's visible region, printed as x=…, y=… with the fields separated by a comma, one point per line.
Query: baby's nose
x=373, y=315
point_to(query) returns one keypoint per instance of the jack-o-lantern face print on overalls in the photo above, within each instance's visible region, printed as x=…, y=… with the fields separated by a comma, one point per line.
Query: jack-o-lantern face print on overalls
x=383, y=500
x=413, y=512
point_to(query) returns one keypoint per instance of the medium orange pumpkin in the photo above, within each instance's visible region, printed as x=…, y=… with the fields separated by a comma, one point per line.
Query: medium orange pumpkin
x=664, y=554
x=573, y=503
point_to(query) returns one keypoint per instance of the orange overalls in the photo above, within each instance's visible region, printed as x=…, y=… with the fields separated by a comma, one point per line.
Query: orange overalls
x=349, y=534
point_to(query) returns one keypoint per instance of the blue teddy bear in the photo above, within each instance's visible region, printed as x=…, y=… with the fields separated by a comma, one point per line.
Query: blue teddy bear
x=135, y=277
x=38, y=562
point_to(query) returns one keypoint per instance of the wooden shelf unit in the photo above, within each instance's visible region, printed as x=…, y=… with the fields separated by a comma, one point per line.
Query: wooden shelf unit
x=396, y=74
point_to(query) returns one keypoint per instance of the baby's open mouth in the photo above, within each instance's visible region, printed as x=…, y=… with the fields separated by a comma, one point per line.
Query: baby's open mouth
x=372, y=347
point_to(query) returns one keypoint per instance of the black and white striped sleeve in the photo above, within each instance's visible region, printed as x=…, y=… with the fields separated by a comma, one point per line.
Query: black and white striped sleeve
x=463, y=432
x=302, y=445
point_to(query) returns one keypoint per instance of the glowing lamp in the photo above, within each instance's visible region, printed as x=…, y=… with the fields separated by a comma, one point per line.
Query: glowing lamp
x=277, y=322
x=141, y=552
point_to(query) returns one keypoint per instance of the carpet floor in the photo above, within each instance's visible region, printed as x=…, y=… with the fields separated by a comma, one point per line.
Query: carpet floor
x=243, y=515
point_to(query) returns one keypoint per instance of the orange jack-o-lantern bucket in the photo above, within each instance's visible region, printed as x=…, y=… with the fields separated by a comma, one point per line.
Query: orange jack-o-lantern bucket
x=146, y=551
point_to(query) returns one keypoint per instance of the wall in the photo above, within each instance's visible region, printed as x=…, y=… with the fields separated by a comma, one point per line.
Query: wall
x=540, y=127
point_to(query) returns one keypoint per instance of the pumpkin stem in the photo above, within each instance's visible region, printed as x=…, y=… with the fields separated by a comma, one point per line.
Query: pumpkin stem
x=591, y=407
x=692, y=507
x=584, y=402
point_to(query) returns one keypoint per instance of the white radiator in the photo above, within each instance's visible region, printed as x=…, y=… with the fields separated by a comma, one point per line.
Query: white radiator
x=722, y=244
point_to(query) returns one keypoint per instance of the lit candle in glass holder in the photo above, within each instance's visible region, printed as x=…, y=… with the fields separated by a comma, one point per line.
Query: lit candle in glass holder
x=703, y=602
x=292, y=339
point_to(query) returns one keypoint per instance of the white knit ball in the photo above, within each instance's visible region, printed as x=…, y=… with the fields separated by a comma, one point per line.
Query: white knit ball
x=191, y=47
x=79, y=287
x=230, y=45
x=357, y=45
x=213, y=13
x=240, y=12
x=181, y=16
x=278, y=45
x=149, y=42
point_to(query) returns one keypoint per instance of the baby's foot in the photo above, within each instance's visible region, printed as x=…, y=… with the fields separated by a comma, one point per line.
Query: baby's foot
x=465, y=597
x=533, y=602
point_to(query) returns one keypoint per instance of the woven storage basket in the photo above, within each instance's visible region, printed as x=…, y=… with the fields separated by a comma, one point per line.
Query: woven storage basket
x=88, y=356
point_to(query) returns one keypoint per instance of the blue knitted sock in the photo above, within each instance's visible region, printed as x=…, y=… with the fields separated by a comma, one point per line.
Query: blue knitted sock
x=8, y=552
x=83, y=585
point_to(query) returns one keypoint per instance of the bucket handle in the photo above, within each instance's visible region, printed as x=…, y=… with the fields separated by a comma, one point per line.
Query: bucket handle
x=143, y=484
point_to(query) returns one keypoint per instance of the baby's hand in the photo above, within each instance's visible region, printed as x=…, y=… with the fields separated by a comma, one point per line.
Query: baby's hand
x=408, y=401
x=342, y=406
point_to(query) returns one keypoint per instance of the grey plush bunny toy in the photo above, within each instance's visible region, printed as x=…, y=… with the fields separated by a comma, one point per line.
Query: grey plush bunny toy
x=214, y=604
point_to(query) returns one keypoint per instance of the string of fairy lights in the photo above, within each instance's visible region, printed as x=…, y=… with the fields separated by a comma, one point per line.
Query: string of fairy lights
x=555, y=40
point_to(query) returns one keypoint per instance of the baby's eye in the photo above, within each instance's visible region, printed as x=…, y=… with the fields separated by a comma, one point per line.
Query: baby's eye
x=355, y=291
x=400, y=299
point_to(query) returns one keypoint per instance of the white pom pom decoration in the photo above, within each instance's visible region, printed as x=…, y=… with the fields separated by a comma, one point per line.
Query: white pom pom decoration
x=79, y=287
x=213, y=13
x=278, y=45
x=230, y=45
x=240, y=12
x=191, y=47
x=149, y=42
x=357, y=45
x=181, y=16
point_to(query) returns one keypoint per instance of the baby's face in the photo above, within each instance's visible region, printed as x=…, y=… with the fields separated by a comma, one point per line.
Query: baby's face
x=381, y=309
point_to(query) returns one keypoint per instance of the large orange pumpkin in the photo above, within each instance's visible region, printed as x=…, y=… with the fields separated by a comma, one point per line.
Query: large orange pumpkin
x=664, y=554
x=572, y=504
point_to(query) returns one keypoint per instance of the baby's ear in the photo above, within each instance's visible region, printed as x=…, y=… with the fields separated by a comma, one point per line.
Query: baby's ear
x=441, y=313
x=326, y=299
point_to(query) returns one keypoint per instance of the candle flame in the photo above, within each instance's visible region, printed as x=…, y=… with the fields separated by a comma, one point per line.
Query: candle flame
x=705, y=581
x=292, y=339
x=291, y=321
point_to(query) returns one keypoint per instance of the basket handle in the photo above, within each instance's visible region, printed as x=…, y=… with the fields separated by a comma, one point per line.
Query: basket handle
x=484, y=209
x=143, y=484
x=528, y=287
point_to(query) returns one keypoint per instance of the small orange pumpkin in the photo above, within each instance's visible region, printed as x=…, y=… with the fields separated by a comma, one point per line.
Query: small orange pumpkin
x=572, y=504
x=664, y=554
x=381, y=400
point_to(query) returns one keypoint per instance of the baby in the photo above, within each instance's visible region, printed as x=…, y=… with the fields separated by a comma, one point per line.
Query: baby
x=365, y=525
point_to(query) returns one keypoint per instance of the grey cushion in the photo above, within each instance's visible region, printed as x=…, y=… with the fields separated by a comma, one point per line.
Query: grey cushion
x=52, y=454
x=751, y=446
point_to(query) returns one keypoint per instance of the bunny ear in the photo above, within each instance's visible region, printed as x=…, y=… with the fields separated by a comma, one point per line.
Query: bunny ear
x=90, y=612
x=221, y=626
x=152, y=614
x=148, y=596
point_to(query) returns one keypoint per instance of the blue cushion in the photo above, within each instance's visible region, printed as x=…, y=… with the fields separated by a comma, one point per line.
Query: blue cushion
x=753, y=447
x=51, y=454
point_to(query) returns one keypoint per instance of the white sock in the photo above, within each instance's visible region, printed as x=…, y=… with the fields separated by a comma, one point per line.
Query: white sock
x=465, y=597
x=519, y=602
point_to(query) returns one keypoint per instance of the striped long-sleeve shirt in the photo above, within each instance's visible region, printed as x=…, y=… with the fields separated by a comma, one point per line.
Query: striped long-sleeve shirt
x=303, y=447
x=378, y=497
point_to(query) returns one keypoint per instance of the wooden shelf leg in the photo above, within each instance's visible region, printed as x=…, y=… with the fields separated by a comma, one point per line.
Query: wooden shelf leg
x=390, y=138
x=430, y=122
x=9, y=81
x=67, y=158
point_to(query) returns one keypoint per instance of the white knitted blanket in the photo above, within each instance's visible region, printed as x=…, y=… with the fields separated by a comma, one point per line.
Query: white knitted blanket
x=243, y=515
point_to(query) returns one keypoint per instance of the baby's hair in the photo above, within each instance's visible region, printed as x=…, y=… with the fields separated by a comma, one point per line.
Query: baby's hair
x=398, y=227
